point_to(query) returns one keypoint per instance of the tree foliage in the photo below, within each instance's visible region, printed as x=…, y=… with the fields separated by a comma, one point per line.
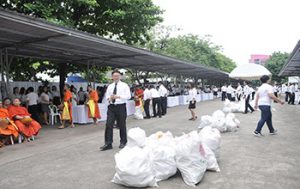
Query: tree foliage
x=275, y=63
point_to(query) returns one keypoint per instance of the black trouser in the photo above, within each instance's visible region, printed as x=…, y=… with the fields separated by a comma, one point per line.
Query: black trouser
x=253, y=94
x=223, y=96
x=287, y=96
x=164, y=102
x=229, y=97
x=156, y=103
x=146, y=108
x=116, y=113
x=239, y=97
x=292, y=98
x=247, y=105
x=276, y=94
x=34, y=111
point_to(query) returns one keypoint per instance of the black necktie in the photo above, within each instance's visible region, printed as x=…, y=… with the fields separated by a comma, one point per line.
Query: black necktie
x=115, y=92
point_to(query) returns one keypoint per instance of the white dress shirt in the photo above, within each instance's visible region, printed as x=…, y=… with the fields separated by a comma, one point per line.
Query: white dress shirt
x=230, y=90
x=239, y=90
x=147, y=94
x=224, y=89
x=32, y=98
x=292, y=88
x=247, y=90
x=192, y=94
x=263, y=92
x=123, y=91
x=154, y=93
x=163, y=92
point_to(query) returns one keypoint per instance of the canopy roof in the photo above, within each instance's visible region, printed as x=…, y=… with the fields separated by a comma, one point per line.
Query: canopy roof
x=25, y=36
x=292, y=66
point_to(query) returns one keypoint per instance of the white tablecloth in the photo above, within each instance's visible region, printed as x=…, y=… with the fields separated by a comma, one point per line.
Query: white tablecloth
x=80, y=113
x=173, y=101
x=183, y=99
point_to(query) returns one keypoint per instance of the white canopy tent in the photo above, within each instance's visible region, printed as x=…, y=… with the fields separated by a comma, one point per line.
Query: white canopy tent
x=249, y=72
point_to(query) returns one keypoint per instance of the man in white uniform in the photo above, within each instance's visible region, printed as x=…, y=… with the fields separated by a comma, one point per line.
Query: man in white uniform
x=156, y=101
x=163, y=93
x=147, y=99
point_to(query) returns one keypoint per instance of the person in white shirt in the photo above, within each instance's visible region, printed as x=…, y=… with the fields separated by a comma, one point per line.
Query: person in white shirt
x=45, y=100
x=82, y=96
x=156, y=101
x=247, y=93
x=55, y=96
x=224, y=90
x=239, y=91
x=117, y=94
x=215, y=92
x=252, y=92
x=263, y=101
x=292, y=91
x=32, y=104
x=163, y=93
x=147, y=99
x=229, y=92
x=192, y=101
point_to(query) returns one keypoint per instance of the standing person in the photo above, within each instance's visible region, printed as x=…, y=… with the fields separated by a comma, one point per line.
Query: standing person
x=292, y=91
x=192, y=101
x=81, y=96
x=285, y=91
x=45, y=101
x=147, y=98
x=156, y=101
x=252, y=92
x=23, y=96
x=275, y=90
x=224, y=90
x=32, y=104
x=163, y=93
x=92, y=103
x=229, y=92
x=66, y=107
x=239, y=91
x=263, y=101
x=117, y=95
x=55, y=96
x=215, y=91
x=247, y=95
x=16, y=93
x=74, y=96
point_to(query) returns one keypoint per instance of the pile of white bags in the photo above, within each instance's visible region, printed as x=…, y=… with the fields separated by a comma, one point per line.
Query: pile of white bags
x=234, y=107
x=146, y=161
x=220, y=121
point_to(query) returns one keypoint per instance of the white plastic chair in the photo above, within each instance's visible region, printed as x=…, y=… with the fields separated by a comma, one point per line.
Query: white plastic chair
x=53, y=114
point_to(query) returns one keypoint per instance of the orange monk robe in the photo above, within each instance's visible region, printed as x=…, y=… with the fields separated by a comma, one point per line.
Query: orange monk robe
x=29, y=129
x=139, y=94
x=10, y=129
x=67, y=106
x=93, y=109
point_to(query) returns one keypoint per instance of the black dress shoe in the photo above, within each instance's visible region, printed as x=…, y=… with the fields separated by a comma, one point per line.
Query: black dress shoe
x=146, y=117
x=122, y=146
x=106, y=147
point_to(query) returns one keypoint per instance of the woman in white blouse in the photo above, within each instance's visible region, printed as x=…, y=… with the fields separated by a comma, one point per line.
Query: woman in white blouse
x=192, y=101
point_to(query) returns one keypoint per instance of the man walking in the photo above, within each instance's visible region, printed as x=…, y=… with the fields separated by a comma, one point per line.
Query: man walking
x=117, y=95
x=247, y=94
x=163, y=93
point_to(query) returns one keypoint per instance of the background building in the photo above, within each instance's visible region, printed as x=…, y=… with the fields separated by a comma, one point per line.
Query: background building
x=259, y=59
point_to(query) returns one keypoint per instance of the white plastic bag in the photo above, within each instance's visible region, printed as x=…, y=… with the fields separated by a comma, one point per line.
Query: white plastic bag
x=138, y=113
x=136, y=137
x=212, y=138
x=133, y=168
x=230, y=122
x=190, y=159
x=206, y=120
x=212, y=163
x=162, y=153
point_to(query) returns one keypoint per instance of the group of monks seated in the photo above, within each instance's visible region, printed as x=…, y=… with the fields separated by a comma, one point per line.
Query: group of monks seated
x=15, y=122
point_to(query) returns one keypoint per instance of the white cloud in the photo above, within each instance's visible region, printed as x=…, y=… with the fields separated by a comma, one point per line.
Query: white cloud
x=242, y=27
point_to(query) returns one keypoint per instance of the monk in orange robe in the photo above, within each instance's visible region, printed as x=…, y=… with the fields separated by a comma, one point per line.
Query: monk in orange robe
x=26, y=125
x=67, y=107
x=138, y=96
x=7, y=127
x=92, y=103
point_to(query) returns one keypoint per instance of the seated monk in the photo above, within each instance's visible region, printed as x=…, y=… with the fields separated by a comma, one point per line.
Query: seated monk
x=26, y=125
x=92, y=103
x=7, y=127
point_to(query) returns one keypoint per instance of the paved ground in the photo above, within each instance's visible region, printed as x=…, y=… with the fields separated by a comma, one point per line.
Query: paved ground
x=71, y=158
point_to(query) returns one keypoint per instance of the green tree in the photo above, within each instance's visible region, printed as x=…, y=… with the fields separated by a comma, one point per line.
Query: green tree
x=275, y=63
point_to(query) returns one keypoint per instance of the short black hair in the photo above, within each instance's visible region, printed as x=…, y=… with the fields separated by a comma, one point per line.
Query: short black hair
x=264, y=78
x=116, y=71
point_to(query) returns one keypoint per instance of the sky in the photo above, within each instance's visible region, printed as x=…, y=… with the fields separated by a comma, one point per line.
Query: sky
x=241, y=27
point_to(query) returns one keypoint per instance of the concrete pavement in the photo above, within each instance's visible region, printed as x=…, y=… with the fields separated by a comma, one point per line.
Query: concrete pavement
x=70, y=158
